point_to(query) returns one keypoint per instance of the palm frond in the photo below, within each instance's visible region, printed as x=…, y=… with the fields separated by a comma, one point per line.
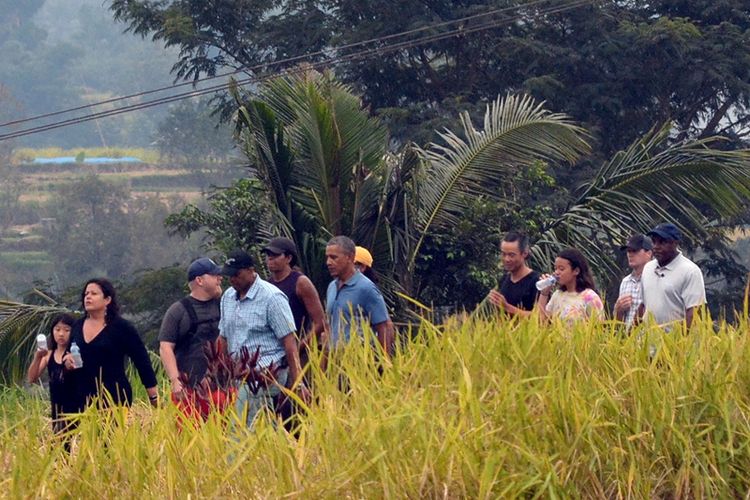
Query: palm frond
x=688, y=184
x=517, y=131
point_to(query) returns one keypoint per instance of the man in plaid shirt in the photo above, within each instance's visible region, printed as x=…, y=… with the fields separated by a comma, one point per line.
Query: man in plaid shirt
x=639, y=249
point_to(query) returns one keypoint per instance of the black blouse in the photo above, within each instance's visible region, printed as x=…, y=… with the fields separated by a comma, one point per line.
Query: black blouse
x=104, y=361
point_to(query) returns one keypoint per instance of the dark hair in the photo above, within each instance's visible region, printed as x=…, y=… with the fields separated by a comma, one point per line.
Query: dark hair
x=345, y=243
x=65, y=319
x=113, y=309
x=370, y=274
x=521, y=238
x=584, y=279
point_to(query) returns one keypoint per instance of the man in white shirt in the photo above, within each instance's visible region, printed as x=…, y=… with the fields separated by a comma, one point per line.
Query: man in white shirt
x=672, y=284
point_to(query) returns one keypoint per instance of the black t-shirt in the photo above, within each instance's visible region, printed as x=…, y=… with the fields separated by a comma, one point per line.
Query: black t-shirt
x=521, y=294
x=189, y=349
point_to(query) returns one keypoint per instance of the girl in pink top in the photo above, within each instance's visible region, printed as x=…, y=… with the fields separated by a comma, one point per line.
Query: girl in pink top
x=576, y=296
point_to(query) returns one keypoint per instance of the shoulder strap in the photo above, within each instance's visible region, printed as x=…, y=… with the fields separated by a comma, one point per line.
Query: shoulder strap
x=190, y=310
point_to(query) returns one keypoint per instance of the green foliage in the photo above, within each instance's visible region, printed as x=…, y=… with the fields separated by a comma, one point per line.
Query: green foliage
x=483, y=409
x=235, y=218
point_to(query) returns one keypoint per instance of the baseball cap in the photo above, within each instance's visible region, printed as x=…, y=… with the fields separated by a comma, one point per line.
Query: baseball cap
x=280, y=246
x=638, y=242
x=202, y=266
x=667, y=231
x=362, y=256
x=236, y=261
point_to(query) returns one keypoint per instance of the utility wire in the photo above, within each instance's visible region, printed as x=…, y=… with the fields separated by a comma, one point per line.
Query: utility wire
x=362, y=55
x=279, y=62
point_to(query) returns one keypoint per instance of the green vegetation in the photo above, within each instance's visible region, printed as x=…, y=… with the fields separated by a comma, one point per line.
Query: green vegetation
x=483, y=409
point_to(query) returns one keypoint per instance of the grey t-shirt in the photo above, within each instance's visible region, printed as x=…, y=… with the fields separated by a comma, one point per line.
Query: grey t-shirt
x=189, y=348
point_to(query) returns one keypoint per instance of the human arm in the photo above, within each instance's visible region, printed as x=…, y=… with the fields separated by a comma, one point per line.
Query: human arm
x=38, y=364
x=689, y=314
x=309, y=295
x=136, y=351
x=291, y=349
x=544, y=299
x=693, y=294
x=169, y=360
x=385, y=332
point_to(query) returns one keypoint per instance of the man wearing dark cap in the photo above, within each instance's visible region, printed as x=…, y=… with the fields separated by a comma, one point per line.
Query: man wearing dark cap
x=309, y=319
x=256, y=315
x=190, y=324
x=672, y=284
x=639, y=251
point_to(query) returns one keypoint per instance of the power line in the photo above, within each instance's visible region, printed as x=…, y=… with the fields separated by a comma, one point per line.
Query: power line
x=362, y=55
x=279, y=62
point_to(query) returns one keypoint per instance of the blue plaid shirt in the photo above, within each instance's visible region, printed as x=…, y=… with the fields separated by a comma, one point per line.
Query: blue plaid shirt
x=261, y=319
x=631, y=285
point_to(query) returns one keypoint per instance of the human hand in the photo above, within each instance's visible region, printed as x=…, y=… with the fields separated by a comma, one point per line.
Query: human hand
x=40, y=353
x=623, y=303
x=497, y=299
x=178, y=391
x=68, y=362
x=546, y=292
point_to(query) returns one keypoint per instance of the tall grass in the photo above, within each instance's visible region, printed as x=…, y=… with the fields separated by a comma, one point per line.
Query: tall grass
x=481, y=409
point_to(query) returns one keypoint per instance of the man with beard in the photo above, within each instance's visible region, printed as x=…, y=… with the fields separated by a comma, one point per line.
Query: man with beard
x=517, y=288
x=190, y=324
x=672, y=284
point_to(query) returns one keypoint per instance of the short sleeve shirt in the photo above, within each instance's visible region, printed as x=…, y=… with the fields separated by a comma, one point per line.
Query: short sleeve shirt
x=572, y=306
x=260, y=320
x=356, y=301
x=189, y=347
x=631, y=286
x=670, y=290
x=521, y=294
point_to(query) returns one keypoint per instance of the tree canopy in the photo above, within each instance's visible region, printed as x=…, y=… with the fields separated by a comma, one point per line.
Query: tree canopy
x=617, y=67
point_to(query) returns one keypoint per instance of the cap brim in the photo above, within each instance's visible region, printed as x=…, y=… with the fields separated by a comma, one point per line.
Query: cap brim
x=229, y=271
x=273, y=250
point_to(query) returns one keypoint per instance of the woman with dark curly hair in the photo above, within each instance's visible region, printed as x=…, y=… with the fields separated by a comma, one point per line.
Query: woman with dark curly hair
x=104, y=339
x=576, y=296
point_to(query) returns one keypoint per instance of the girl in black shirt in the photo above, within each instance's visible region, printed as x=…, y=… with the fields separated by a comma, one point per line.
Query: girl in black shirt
x=63, y=387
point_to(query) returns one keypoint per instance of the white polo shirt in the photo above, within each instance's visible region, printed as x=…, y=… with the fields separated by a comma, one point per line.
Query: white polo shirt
x=668, y=291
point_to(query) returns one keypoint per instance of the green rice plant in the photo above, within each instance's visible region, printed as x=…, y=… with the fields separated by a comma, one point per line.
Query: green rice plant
x=486, y=408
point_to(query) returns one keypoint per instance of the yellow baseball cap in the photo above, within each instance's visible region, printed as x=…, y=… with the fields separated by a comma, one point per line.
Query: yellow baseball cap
x=362, y=256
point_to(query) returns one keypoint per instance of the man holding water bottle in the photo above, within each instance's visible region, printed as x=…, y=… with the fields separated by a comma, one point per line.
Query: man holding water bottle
x=516, y=292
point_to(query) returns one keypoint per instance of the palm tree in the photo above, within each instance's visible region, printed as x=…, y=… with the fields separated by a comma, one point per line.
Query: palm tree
x=689, y=184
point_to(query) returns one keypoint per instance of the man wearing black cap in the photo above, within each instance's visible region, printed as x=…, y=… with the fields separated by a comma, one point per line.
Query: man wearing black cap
x=309, y=319
x=639, y=250
x=672, y=284
x=189, y=324
x=255, y=315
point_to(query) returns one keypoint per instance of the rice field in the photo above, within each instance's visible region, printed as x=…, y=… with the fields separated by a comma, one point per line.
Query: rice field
x=475, y=408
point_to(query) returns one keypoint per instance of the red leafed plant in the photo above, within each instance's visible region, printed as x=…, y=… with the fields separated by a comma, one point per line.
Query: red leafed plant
x=224, y=375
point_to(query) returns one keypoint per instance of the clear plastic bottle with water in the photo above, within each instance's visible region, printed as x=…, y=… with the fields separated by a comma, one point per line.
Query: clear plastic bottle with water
x=41, y=342
x=75, y=352
x=546, y=282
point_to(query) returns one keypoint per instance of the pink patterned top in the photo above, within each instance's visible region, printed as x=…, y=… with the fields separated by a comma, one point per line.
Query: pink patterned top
x=572, y=306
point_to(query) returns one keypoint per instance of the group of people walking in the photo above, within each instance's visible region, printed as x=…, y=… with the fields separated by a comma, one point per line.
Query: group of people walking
x=279, y=319
x=664, y=286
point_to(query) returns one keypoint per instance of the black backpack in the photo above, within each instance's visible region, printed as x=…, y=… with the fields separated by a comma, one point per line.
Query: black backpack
x=194, y=323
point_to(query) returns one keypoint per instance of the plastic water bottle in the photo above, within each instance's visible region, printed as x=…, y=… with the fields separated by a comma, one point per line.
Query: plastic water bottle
x=75, y=352
x=546, y=282
x=41, y=342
